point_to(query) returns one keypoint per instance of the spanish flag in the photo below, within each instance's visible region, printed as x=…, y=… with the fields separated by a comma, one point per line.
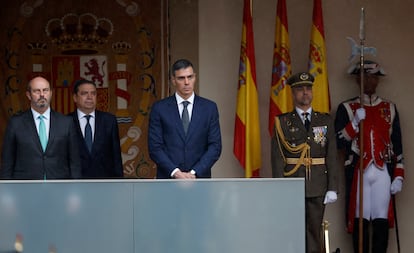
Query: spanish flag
x=317, y=61
x=280, y=93
x=246, y=130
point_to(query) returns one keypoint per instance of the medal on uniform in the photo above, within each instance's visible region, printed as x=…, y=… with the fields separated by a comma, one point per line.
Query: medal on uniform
x=319, y=134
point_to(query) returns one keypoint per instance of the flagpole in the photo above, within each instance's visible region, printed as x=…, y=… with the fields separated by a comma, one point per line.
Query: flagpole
x=361, y=133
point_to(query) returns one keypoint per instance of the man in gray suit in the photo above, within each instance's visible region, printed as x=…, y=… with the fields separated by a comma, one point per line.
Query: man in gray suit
x=40, y=143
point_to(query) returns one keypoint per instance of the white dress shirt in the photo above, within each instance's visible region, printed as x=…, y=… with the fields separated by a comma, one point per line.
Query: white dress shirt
x=83, y=121
x=46, y=120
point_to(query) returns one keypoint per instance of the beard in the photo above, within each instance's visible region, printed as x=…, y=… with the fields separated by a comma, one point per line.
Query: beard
x=42, y=103
x=305, y=101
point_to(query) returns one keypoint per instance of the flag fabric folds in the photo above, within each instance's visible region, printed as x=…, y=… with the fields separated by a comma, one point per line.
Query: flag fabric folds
x=247, y=131
x=317, y=61
x=280, y=93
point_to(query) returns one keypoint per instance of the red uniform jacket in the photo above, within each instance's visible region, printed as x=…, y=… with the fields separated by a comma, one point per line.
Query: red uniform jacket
x=382, y=143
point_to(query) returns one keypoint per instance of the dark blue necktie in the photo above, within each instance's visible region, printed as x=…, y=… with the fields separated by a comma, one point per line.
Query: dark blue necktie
x=307, y=121
x=88, y=133
x=185, y=117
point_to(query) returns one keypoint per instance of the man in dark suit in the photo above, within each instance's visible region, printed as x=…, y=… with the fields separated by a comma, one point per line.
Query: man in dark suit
x=304, y=145
x=40, y=143
x=184, y=136
x=101, y=153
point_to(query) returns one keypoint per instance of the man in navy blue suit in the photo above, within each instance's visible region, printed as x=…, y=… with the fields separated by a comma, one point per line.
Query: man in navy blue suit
x=101, y=154
x=184, y=138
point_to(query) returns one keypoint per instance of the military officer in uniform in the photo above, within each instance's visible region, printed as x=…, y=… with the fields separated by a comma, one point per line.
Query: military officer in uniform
x=304, y=145
x=383, y=158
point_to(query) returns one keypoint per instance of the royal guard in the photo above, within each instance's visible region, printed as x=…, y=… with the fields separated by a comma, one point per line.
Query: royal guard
x=382, y=154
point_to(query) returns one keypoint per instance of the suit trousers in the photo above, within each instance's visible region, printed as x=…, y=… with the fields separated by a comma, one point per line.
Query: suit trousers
x=314, y=209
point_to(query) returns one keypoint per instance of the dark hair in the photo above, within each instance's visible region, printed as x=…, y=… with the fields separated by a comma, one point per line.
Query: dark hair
x=79, y=83
x=180, y=64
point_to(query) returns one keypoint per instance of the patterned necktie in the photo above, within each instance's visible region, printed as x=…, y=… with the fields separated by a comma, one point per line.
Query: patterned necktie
x=307, y=121
x=88, y=133
x=185, y=117
x=42, y=132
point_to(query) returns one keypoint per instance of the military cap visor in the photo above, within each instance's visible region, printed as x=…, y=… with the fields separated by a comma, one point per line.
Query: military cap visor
x=300, y=79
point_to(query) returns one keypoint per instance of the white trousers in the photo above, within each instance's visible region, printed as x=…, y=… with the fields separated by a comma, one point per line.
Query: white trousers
x=376, y=193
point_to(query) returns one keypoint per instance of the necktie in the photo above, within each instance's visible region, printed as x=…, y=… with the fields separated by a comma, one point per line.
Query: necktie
x=307, y=121
x=42, y=132
x=185, y=117
x=88, y=133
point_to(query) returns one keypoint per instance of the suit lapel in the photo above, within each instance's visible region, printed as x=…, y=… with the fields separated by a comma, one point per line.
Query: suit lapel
x=31, y=125
x=52, y=128
x=195, y=116
x=79, y=133
x=298, y=121
x=99, y=129
x=174, y=115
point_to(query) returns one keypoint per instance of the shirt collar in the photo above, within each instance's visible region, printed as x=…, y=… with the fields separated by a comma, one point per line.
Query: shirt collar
x=180, y=99
x=46, y=114
x=82, y=114
x=300, y=111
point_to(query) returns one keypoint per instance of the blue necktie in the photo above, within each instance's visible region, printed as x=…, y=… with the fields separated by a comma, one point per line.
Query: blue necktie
x=88, y=133
x=185, y=117
x=42, y=132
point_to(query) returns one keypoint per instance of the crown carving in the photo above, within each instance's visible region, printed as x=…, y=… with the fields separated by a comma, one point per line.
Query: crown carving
x=79, y=34
x=121, y=47
x=37, y=48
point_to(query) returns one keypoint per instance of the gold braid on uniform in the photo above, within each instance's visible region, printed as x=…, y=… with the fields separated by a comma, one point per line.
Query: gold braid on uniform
x=303, y=149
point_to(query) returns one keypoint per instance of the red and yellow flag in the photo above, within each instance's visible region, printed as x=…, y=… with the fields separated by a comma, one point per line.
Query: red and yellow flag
x=317, y=61
x=246, y=130
x=280, y=93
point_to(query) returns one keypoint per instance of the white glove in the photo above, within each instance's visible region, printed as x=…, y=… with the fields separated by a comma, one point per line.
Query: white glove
x=330, y=197
x=396, y=185
x=359, y=115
